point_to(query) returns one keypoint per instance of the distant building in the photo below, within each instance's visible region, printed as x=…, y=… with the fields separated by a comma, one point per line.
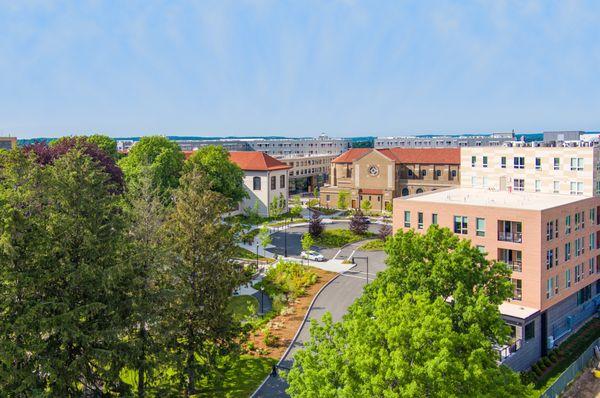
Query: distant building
x=562, y=136
x=379, y=175
x=443, y=141
x=309, y=158
x=265, y=179
x=536, y=208
x=8, y=143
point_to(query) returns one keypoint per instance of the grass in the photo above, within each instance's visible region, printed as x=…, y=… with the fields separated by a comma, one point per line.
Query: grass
x=240, y=380
x=568, y=352
x=373, y=245
x=339, y=237
x=248, y=255
x=325, y=210
x=243, y=306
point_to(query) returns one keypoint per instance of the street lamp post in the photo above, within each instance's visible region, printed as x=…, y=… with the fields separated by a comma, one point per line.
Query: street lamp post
x=285, y=224
x=257, y=256
x=262, y=299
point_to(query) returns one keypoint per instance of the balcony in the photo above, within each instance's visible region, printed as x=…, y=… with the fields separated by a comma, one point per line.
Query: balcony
x=515, y=265
x=515, y=237
x=509, y=349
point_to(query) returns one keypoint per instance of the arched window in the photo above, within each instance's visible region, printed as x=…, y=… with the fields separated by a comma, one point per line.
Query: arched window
x=404, y=191
x=419, y=190
x=256, y=183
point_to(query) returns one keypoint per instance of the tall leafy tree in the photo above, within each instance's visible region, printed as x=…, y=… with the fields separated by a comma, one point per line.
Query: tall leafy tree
x=159, y=157
x=203, y=276
x=146, y=216
x=427, y=326
x=104, y=142
x=405, y=345
x=65, y=292
x=222, y=175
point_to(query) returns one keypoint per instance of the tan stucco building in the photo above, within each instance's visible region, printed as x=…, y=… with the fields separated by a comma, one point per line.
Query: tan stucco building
x=379, y=175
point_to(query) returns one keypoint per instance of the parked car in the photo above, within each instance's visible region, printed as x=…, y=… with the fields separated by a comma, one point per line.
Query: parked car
x=312, y=255
x=326, y=221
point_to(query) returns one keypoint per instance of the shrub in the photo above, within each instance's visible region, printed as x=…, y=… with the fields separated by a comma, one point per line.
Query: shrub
x=358, y=223
x=315, y=228
x=547, y=361
x=536, y=369
x=270, y=339
x=384, y=231
x=287, y=280
x=251, y=346
x=336, y=238
x=313, y=203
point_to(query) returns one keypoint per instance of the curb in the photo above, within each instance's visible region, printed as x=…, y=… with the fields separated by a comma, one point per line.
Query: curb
x=287, y=351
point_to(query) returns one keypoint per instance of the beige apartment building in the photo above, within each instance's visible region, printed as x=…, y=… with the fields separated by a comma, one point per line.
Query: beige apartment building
x=380, y=175
x=550, y=240
x=8, y=143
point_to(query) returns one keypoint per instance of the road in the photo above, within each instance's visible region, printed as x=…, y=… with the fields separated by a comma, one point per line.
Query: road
x=335, y=298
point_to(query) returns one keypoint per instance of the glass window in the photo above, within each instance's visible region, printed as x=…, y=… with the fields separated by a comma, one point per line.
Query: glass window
x=519, y=162
x=556, y=187
x=282, y=181
x=517, y=289
x=556, y=163
x=550, y=288
x=480, y=226
x=567, y=251
x=434, y=218
x=473, y=181
x=529, y=331
x=576, y=164
x=485, y=161
x=407, y=219
x=568, y=278
x=503, y=162
x=538, y=185
x=538, y=163
x=420, y=220
x=256, y=183
x=576, y=188
x=273, y=183
x=519, y=184
x=460, y=225
x=473, y=161
x=567, y=225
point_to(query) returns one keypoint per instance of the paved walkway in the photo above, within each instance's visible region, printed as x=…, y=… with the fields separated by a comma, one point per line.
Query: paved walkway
x=335, y=298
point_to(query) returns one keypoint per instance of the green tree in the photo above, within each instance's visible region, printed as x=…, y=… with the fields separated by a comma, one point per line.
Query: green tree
x=403, y=345
x=146, y=216
x=307, y=243
x=389, y=207
x=264, y=237
x=443, y=265
x=65, y=295
x=342, y=202
x=366, y=206
x=104, y=142
x=223, y=176
x=275, y=208
x=296, y=209
x=203, y=275
x=158, y=156
x=316, y=192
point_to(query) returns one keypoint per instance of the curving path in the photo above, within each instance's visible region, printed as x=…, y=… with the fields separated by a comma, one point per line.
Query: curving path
x=335, y=298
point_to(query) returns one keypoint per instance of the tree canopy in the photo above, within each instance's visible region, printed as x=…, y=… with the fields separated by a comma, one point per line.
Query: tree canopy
x=222, y=175
x=427, y=326
x=104, y=142
x=160, y=157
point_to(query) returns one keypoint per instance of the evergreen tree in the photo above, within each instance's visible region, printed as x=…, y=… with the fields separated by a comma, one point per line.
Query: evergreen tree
x=65, y=295
x=199, y=330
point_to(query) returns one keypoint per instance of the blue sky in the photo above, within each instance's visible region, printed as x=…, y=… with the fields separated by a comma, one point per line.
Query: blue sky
x=297, y=68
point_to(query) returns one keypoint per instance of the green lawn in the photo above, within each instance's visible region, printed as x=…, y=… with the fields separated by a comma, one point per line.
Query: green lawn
x=239, y=381
x=339, y=237
x=373, y=245
x=248, y=255
x=243, y=306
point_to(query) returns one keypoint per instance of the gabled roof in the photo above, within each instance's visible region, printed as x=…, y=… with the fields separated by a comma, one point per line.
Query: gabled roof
x=256, y=161
x=405, y=155
x=352, y=155
x=424, y=155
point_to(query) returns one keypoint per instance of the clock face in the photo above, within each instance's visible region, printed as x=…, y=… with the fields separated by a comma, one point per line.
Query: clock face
x=373, y=170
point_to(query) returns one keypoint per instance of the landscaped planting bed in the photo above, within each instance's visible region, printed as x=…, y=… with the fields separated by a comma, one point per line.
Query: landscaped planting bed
x=339, y=237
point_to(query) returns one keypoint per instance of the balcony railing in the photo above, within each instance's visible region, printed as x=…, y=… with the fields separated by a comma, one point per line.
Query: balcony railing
x=508, y=350
x=516, y=265
x=516, y=237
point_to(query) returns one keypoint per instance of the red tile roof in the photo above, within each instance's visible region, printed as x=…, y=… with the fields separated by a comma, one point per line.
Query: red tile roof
x=351, y=155
x=424, y=155
x=405, y=155
x=256, y=161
